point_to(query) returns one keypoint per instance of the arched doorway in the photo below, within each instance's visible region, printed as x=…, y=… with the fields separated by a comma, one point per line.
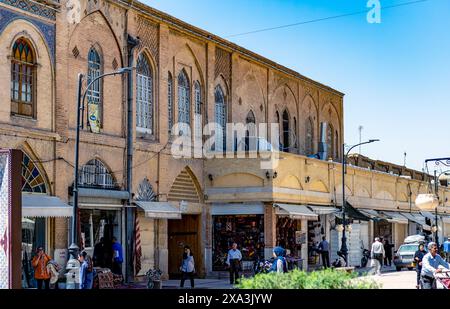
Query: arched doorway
x=187, y=231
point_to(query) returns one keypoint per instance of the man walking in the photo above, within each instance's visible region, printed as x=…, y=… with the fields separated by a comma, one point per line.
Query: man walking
x=234, y=262
x=430, y=266
x=324, y=247
x=377, y=255
x=117, y=257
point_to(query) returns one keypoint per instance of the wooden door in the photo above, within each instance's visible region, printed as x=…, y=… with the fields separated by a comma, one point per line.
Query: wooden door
x=184, y=232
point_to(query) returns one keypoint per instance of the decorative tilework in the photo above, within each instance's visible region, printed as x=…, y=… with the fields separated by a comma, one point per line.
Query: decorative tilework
x=4, y=221
x=47, y=30
x=32, y=7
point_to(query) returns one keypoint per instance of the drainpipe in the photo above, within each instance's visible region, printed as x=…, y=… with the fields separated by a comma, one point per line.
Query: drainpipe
x=129, y=212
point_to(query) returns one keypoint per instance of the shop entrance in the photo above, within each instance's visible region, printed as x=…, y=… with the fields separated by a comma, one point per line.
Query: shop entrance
x=383, y=229
x=184, y=232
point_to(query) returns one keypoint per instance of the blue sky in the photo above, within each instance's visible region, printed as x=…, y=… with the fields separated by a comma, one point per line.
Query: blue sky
x=396, y=74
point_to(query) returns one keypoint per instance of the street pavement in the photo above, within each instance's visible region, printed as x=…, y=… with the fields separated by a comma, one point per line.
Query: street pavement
x=405, y=279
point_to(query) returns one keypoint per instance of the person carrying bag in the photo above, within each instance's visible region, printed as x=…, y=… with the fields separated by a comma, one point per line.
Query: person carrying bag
x=187, y=267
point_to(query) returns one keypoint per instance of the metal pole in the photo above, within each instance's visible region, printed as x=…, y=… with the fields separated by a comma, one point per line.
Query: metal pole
x=77, y=146
x=344, y=249
x=436, y=189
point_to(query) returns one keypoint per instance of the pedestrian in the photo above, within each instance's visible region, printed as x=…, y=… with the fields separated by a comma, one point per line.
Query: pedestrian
x=377, y=255
x=234, y=263
x=324, y=247
x=117, y=257
x=99, y=253
x=187, y=267
x=418, y=257
x=86, y=271
x=41, y=273
x=447, y=249
x=430, y=266
x=280, y=263
x=388, y=253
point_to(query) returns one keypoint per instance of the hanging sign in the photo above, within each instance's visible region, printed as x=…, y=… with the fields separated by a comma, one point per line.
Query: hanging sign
x=94, y=120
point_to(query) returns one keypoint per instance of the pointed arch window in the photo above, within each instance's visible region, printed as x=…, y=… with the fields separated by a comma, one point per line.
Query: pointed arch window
x=198, y=109
x=220, y=113
x=286, y=131
x=330, y=141
x=144, y=96
x=184, y=100
x=250, y=132
x=23, y=79
x=336, y=146
x=96, y=174
x=294, y=134
x=277, y=116
x=32, y=179
x=309, y=140
x=94, y=93
x=170, y=101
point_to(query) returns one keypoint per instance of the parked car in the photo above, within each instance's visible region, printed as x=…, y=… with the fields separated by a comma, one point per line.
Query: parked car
x=404, y=256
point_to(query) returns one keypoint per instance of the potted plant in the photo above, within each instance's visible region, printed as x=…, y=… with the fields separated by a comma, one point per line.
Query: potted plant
x=154, y=279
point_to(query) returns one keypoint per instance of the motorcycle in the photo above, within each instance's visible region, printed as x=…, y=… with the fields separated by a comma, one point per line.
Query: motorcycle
x=340, y=261
x=365, y=257
x=262, y=266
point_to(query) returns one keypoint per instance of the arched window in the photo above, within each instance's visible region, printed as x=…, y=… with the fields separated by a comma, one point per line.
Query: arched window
x=286, y=131
x=277, y=117
x=336, y=147
x=95, y=174
x=184, y=100
x=23, y=79
x=330, y=141
x=250, y=132
x=94, y=94
x=198, y=109
x=32, y=178
x=144, y=95
x=170, y=101
x=309, y=140
x=220, y=114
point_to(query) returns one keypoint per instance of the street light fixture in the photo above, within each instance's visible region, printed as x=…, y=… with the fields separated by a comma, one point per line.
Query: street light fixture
x=344, y=248
x=81, y=97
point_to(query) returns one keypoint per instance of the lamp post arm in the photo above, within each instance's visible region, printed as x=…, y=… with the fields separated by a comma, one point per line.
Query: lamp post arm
x=95, y=80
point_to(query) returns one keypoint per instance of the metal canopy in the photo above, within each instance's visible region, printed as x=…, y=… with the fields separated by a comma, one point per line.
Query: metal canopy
x=300, y=212
x=40, y=205
x=323, y=210
x=395, y=217
x=159, y=210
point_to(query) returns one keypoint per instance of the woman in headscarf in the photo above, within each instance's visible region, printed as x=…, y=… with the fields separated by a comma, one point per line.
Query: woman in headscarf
x=280, y=264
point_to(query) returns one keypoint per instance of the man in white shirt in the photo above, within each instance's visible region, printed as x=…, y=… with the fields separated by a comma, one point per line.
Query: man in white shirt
x=234, y=262
x=377, y=255
x=432, y=263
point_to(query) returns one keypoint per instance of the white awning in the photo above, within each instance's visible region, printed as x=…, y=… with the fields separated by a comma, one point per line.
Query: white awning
x=159, y=210
x=219, y=209
x=41, y=205
x=396, y=217
x=295, y=212
x=323, y=210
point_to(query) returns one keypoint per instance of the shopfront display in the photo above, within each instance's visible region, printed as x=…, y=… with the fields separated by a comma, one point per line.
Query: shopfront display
x=289, y=235
x=246, y=230
x=95, y=225
x=383, y=229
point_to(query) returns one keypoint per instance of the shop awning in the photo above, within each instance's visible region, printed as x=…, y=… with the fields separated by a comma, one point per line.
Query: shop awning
x=411, y=217
x=219, y=209
x=375, y=215
x=356, y=214
x=323, y=210
x=159, y=210
x=395, y=217
x=295, y=212
x=44, y=206
x=428, y=215
x=103, y=193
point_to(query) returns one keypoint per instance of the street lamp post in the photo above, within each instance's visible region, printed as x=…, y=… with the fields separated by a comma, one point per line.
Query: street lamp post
x=344, y=248
x=81, y=97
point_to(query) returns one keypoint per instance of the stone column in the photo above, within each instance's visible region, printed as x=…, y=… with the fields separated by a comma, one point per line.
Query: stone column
x=270, y=224
x=162, y=251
